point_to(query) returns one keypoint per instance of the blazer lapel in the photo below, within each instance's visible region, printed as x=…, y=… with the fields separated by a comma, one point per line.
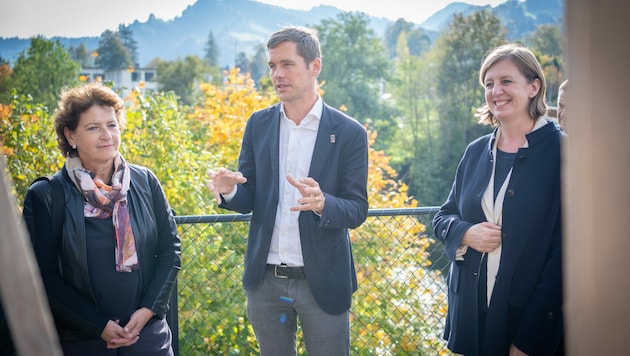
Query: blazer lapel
x=274, y=149
x=324, y=143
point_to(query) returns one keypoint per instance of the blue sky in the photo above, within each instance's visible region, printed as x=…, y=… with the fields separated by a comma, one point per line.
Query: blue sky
x=78, y=18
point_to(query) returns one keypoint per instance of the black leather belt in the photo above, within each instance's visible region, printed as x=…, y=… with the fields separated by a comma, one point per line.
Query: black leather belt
x=287, y=272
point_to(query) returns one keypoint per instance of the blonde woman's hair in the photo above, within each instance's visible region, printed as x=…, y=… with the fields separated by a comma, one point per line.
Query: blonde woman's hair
x=528, y=65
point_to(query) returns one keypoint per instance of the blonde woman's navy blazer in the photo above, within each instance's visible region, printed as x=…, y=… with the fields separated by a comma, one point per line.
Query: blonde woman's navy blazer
x=526, y=306
x=339, y=165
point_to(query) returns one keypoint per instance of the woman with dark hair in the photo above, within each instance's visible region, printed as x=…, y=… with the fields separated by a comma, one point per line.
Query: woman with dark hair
x=502, y=221
x=104, y=235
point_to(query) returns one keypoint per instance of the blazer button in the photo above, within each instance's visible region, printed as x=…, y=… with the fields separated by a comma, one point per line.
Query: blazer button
x=550, y=315
x=504, y=236
x=511, y=193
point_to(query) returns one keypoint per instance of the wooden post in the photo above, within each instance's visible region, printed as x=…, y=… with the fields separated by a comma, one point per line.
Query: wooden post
x=596, y=188
x=21, y=287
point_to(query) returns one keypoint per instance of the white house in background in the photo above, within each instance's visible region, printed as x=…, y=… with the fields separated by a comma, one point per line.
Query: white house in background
x=143, y=79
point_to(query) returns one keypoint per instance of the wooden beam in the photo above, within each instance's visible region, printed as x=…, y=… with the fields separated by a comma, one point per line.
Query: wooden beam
x=21, y=287
x=596, y=188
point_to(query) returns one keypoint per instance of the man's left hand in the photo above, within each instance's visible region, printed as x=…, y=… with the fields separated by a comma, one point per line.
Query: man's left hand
x=312, y=196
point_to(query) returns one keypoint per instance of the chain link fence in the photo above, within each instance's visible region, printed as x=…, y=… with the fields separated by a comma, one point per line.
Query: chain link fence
x=399, y=308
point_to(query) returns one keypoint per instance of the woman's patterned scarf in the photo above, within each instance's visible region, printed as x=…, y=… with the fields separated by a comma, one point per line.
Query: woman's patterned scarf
x=104, y=201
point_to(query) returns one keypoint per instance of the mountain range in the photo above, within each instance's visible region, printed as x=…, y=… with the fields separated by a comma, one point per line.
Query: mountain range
x=240, y=25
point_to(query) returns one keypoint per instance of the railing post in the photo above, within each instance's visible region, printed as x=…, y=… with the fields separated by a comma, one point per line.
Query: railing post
x=172, y=318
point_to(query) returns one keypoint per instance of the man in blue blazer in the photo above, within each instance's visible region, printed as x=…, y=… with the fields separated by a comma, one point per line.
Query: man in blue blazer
x=302, y=171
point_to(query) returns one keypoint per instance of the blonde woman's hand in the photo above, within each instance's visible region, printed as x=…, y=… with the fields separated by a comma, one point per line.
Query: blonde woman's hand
x=483, y=237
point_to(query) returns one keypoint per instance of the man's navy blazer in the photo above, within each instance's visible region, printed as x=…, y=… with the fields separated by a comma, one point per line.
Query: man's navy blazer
x=339, y=165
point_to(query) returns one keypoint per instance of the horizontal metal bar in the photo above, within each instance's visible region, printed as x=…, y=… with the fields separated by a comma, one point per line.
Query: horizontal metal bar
x=219, y=218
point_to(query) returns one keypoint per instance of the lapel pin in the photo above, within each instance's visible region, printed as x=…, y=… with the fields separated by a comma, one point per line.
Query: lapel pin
x=332, y=138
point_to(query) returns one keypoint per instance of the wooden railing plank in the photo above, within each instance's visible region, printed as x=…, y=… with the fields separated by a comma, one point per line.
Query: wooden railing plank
x=21, y=287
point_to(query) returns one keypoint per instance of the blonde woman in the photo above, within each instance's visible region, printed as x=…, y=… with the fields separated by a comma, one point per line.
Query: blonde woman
x=501, y=223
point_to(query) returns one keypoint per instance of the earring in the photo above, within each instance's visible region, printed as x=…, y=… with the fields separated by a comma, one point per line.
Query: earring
x=74, y=147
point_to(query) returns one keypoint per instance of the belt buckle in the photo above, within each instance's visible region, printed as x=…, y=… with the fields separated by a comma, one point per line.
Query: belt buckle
x=275, y=272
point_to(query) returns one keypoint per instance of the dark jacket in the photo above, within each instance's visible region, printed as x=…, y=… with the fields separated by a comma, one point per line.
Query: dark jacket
x=6, y=342
x=526, y=306
x=63, y=261
x=339, y=165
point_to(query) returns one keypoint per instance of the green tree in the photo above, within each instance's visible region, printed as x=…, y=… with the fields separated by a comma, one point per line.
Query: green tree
x=126, y=37
x=355, y=68
x=458, y=52
x=80, y=54
x=259, y=67
x=242, y=62
x=112, y=53
x=184, y=76
x=546, y=39
x=547, y=43
x=41, y=71
x=418, y=39
x=211, y=51
x=256, y=66
x=414, y=148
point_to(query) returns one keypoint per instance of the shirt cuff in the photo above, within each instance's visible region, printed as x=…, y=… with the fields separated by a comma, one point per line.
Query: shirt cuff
x=228, y=197
x=461, y=251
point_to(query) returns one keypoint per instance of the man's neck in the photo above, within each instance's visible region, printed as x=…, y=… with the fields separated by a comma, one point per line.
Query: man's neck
x=296, y=111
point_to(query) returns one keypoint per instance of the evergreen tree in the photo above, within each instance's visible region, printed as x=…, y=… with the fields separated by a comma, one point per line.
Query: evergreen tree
x=126, y=37
x=259, y=67
x=418, y=39
x=80, y=54
x=242, y=62
x=212, y=51
x=112, y=53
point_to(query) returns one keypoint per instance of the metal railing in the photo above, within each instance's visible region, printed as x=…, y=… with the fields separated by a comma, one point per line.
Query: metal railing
x=399, y=308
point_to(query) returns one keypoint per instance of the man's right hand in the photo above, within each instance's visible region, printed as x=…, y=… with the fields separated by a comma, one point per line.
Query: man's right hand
x=223, y=181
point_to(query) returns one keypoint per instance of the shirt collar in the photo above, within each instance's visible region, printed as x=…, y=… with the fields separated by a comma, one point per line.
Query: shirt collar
x=315, y=112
